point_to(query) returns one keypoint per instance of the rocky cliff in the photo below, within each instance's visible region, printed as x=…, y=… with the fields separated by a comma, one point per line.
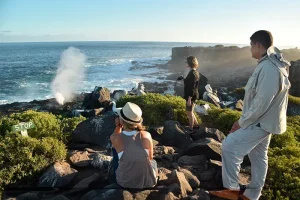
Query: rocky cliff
x=295, y=78
x=223, y=66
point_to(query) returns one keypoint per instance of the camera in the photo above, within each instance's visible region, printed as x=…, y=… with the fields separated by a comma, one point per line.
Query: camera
x=180, y=78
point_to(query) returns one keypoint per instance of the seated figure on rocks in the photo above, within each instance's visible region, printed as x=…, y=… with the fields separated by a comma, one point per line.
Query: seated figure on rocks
x=133, y=161
x=211, y=96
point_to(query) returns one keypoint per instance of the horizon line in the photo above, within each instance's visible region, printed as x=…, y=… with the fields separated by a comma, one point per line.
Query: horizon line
x=66, y=41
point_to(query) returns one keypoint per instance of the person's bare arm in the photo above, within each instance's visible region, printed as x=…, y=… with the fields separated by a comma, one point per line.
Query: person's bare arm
x=114, y=138
x=147, y=142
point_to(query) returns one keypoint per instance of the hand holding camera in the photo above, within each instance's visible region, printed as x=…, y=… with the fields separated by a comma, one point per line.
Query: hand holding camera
x=180, y=78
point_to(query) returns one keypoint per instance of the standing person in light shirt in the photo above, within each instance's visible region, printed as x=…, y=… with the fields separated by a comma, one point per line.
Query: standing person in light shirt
x=264, y=114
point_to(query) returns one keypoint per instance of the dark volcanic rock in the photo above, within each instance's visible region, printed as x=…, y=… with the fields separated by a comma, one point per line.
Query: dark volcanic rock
x=29, y=196
x=192, y=179
x=175, y=135
x=110, y=194
x=80, y=158
x=294, y=78
x=95, y=130
x=58, y=175
x=192, y=160
x=208, y=147
x=87, y=181
x=179, y=178
x=202, y=133
x=199, y=195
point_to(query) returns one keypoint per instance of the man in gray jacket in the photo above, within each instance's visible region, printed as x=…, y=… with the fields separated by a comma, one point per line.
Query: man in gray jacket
x=264, y=113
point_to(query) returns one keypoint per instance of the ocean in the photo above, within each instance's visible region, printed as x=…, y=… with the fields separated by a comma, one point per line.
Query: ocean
x=27, y=69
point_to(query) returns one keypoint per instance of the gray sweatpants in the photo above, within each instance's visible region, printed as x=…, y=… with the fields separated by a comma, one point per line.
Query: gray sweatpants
x=252, y=141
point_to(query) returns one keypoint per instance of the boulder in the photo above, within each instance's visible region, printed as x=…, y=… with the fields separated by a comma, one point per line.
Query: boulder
x=156, y=132
x=175, y=135
x=170, y=157
x=207, y=175
x=59, y=197
x=100, y=161
x=170, y=196
x=214, y=164
x=109, y=194
x=192, y=160
x=202, y=133
x=95, y=130
x=179, y=178
x=208, y=147
x=163, y=175
x=174, y=189
x=147, y=194
x=80, y=158
x=86, y=182
x=169, y=150
x=29, y=196
x=193, y=180
x=58, y=175
x=199, y=195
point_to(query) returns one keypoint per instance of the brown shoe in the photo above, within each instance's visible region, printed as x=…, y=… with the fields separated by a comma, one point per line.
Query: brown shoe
x=226, y=194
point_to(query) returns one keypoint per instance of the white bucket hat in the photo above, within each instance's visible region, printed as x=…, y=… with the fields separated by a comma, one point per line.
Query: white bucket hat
x=130, y=113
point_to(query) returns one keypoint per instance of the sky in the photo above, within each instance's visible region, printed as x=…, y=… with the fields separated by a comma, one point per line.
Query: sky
x=211, y=21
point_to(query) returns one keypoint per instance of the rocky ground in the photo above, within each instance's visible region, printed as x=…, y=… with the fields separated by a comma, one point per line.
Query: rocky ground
x=189, y=165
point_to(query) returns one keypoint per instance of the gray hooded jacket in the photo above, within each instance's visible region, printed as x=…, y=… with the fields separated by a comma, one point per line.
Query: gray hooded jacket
x=266, y=94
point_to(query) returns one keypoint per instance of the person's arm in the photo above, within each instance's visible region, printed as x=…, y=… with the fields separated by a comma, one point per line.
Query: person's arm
x=266, y=89
x=147, y=143
x=118, y=130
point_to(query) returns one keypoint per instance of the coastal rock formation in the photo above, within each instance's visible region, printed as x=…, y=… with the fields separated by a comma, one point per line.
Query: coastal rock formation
x=223, y=66
x=294, y=78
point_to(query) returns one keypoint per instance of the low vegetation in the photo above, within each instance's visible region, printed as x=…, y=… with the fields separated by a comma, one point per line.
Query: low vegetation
x=23, y=159
x=158, y=108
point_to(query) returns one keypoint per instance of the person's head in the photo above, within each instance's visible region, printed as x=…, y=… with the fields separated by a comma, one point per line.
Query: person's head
x=260, y=42
x=131, y=116
x=192, y=62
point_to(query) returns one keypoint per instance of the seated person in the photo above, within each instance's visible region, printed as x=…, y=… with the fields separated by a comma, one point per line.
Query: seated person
x=210, y=96
x=133, y=158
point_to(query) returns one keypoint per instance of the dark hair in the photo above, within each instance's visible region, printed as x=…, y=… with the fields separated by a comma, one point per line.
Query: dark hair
x=263, y=37
x=192, y=61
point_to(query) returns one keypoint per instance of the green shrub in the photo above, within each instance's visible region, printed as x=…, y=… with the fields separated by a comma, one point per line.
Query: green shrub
x=294, y=100
x=291, y=137
x=283, y=178
x=221, y=119
x=199, y=102
x=156, y=108
x=68, y=125
x=46, y=124
x=23, y=159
